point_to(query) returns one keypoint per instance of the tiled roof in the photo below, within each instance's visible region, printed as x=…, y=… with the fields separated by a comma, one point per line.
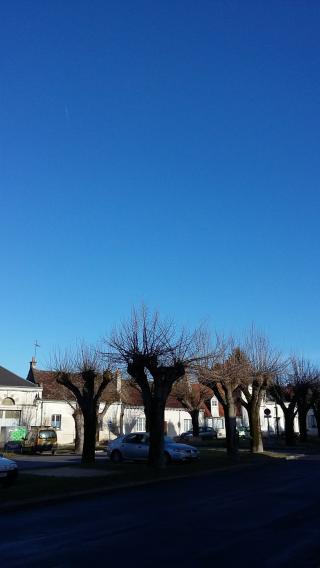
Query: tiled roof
x=9, y=379
x=51, y=390
x=130, y=395
x=54, y=391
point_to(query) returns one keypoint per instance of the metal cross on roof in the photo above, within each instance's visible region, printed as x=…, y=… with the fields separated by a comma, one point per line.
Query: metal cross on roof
x=36, y=345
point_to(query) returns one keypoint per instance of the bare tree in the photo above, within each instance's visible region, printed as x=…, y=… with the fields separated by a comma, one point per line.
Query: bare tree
x=109, y=396
x=155, y=357
x=192, y=396
x=28, y=416
x=316, y=399
x=85, y=377
x=132, y=384
x=303, y=377
x=284, y=394
x=224, y=376
x=264, y=364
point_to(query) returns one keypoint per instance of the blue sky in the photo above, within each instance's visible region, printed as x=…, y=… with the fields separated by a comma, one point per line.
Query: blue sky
x=164, y=152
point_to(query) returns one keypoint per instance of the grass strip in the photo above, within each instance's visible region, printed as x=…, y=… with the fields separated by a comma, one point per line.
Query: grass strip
x=30, y=487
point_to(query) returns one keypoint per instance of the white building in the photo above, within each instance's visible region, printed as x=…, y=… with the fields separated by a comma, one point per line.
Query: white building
x=39, y=400
x=19, y=406
x=125, y=414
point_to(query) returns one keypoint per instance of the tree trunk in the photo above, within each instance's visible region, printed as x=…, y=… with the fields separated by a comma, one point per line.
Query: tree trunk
x=156, y=450
x=289, y=427
x=147, y=413
x=100, y=418
x=79, y=428
x=255, y=429
x=302, y=419
x=231, y=428
x=195, y=422
x=89, y=442
x=316, y=410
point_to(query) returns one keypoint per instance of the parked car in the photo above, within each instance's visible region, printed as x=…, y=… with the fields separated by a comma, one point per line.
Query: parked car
x=40, y=439
x=8, y=471
x=13, y=446
x=205, y=433
x=135, y=446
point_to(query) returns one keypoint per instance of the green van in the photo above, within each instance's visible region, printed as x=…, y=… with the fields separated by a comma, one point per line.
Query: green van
x=40, y=439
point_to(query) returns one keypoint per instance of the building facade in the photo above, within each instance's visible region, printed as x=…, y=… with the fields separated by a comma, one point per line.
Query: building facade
x=40, y=401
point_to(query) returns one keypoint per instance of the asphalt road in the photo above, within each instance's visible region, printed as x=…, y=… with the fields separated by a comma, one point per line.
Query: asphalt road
x=261, y=517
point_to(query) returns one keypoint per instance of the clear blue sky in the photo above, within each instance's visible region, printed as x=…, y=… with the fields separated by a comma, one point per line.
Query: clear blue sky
x=158, y=151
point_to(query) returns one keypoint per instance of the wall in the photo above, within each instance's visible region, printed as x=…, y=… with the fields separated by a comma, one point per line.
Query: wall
x=24, y=411
x=178, y=421
x=65, y=434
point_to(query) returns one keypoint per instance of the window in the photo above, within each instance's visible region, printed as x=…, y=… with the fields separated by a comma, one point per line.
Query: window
x=133, y=439
x=187, y=424
x=218, y=423
x=8, y=401
x=141, y=424
x=13, y=414
x=56, y=421
x=214, y=402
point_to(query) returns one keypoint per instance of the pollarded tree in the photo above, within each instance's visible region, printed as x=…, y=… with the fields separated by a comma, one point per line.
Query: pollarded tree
x=192, y=396
x=284, y=394
x=264, y=365
x=155, y=356
x=224, y=377
x=85, y=377
x=316, y=399
x=302, y=378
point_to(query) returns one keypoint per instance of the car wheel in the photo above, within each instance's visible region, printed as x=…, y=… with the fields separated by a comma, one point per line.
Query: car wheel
x=116, y=456
x=167, y=458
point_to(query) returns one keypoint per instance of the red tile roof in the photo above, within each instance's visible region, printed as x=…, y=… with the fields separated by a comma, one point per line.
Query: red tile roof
x=130, y=395
x=51, y=390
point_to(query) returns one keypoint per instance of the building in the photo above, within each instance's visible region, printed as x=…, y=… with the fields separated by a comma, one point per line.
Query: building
x=19, y=403
x=39, y=400
x=121, y=409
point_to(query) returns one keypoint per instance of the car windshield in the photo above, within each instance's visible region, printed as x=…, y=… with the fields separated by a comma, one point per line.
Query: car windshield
x=46, y=434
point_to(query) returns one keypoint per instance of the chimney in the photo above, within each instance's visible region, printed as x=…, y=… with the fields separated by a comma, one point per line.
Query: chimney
x=118, y=381
x=33, y=363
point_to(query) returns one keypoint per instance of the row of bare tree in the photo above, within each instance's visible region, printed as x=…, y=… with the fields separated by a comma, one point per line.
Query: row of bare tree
x=159, y=360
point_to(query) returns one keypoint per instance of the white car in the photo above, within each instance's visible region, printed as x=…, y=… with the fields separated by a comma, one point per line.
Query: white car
x=135, y=446
x=8, y=471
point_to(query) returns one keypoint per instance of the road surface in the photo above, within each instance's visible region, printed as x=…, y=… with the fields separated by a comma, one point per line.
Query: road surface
x=259, y=517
